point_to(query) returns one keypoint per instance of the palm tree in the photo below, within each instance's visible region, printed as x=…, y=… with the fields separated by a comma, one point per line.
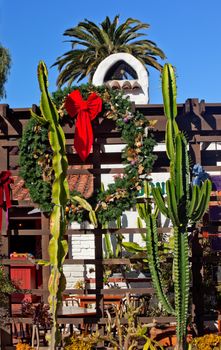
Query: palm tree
x=5, y=64
x=91, y=44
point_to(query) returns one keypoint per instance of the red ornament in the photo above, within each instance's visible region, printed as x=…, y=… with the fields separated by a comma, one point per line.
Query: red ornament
x=85, y=111
x=5, y=181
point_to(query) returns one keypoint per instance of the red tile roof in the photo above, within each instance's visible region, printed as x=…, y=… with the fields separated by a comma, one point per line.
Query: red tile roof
x=82, y=183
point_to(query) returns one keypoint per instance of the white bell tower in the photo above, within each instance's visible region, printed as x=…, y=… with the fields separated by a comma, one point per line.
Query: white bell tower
x=124, y=72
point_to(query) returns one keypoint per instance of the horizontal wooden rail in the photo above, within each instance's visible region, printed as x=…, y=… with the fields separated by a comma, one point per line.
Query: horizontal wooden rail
x=215, y=228
x=103, y=262
x=103, y=291
x=96, y=320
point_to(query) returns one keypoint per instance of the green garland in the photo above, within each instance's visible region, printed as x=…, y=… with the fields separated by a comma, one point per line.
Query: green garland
x=35, y=164
x=138, y=157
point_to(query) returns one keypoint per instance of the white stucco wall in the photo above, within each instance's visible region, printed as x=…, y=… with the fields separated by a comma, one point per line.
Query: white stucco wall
x=82, y=246
x=139, y=98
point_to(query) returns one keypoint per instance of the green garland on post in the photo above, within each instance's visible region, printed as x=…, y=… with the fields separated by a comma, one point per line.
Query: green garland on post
x=137, y=156
x=35, y=158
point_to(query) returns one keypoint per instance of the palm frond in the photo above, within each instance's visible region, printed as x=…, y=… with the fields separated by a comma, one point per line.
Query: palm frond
x=91, y=43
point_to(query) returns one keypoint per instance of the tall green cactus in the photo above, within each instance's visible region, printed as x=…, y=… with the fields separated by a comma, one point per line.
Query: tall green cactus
x=58, y=246
x=145, y=213
x=184, y=205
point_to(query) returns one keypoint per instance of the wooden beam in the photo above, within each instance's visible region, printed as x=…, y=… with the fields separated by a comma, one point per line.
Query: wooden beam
x=45, y=255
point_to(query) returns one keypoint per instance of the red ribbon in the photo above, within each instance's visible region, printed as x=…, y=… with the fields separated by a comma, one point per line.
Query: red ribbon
x=85, y=111
x=5, y=181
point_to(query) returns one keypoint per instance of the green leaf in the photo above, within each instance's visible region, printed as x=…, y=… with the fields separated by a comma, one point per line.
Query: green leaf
x=133, y=247
x=147, y=345
x=93, y=218
x=43, y=262
x=82, y=202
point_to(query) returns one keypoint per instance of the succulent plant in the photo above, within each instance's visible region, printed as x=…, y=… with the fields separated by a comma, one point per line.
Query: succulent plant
x=58, y=246
x=184, y=205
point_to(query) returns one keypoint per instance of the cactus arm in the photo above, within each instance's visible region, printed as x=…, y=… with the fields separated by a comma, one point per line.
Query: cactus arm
x=108, y=246
x=141, y=210
x=144, y=210
x=139, y=222
x=170, y=108
x=182, y=178
x=119, y=239
x=107, y=242
x=107, y=237
x=39, y=119
x=171, y=201
x=187, y=183
x=179, y=178
x=169, y=92
x=154, y=264
x=157, y=194
x=58, y=247
x=140, y=225
x=179, y=169
x=207, y=188
x=194, y=200
x=203, y=201
x=169, y=140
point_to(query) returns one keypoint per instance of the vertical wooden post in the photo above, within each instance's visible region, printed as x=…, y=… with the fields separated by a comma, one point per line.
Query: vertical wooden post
x=195, y=152
x=197, y=286
x=98, y=238
x=197, y=254
x=45, y=255
x=5, y=332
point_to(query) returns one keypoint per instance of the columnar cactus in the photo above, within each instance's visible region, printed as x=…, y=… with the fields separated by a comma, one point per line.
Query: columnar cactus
x=58, y=246
x=184, y=205
x=150, y=218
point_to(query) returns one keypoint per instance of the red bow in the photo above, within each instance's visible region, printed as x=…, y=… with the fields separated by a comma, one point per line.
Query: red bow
x=86, y=111
x=5, y=181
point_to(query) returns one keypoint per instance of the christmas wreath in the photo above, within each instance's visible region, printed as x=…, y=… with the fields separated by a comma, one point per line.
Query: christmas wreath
x=86, y=102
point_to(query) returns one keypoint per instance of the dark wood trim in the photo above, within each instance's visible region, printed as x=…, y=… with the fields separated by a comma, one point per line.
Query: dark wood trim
x=201, y=123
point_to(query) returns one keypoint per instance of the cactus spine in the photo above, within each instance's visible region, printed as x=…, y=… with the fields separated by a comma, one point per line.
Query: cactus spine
x=58, y=246
x=184, y=205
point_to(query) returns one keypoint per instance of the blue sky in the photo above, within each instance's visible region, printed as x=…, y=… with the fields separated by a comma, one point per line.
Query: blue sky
x=188, y=31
